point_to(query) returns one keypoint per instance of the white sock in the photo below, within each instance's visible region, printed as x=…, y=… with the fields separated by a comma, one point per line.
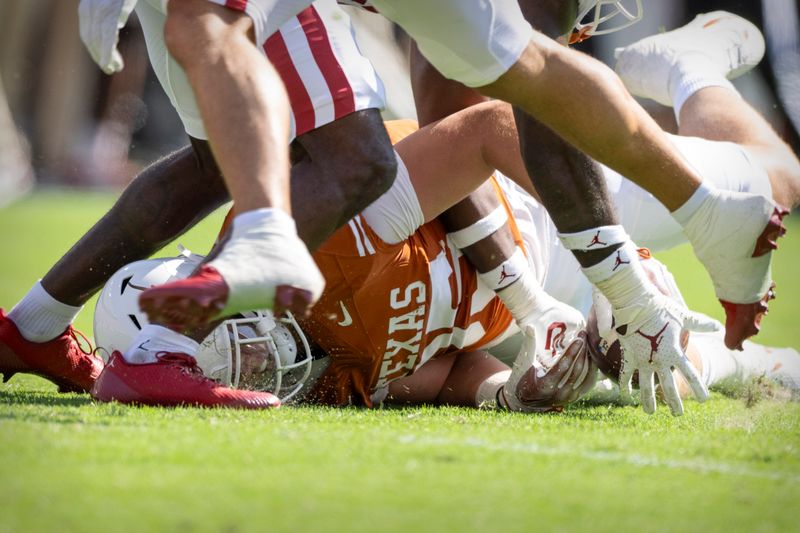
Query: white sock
x=692, y=72
x=40, y=317
x=152, y=340
x=685, y=212
x=260, y=216
x=262, y=253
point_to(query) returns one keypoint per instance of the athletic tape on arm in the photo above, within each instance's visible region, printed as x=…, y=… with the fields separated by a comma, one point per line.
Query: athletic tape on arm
x=480, y=229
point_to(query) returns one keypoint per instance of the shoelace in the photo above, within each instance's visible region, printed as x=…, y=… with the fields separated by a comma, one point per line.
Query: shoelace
x=185, y=362
x=81, y=340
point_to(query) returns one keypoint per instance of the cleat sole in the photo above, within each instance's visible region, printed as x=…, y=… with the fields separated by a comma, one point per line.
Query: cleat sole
x=184, y=305
x=298, y=301
x=744, y=320
x=768, y=240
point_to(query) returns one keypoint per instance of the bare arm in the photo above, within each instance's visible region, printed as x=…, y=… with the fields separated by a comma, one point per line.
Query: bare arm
x=449, y=159
x=585, y=102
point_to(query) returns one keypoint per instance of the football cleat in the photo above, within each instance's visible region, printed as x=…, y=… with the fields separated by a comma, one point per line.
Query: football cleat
x=63, y=360
x=731, y=42
x=264, y=265
x=188, y=302
x=174, y=380
x=744, y=320
x=202, y=297
x=733, y=234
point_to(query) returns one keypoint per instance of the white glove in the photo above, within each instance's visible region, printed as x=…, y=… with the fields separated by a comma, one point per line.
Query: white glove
x=553, y=367
x=533, y=387
x=650, y=336
x=555, y=325
x=100, y=22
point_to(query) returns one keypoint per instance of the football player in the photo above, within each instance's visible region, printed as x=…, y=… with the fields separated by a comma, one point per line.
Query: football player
x=335, y=97
x=488, y=45
x=400, y=297
x=244, y=111
x=697, y=54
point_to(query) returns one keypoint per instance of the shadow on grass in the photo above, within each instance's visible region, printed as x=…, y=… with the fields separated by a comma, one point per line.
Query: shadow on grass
x=25, y=397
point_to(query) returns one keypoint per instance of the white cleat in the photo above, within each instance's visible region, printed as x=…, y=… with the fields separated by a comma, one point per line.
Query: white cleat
x=261, y=266
x=731, y=42
x=733, y=234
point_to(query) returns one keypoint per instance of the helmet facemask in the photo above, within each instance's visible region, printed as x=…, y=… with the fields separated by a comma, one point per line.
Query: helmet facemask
x=258, y=352
x=599, y=17
x=254, y=351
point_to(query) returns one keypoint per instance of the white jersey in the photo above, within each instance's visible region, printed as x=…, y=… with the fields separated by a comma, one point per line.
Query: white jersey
x=314, y=52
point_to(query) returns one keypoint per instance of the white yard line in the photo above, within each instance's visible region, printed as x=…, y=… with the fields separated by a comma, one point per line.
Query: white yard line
x=699, y=465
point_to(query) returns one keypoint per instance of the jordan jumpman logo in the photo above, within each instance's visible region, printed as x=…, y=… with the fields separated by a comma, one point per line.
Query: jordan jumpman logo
x=655, y=340
x=504, y=275
x=596, y=240
x=619, y=262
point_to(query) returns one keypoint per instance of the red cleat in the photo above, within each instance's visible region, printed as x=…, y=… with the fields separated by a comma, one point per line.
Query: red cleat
x=774, y=230
x=197, y=300
x=186, y=303
x=743, y=321
x=62, y=360
x=174, y=380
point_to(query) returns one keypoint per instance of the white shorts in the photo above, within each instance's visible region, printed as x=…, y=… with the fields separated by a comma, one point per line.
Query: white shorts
x=325, y=74
x=471, y=41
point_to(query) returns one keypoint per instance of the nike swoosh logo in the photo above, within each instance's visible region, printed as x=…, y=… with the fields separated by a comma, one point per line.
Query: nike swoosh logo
x=347, y=320
x=141, y=346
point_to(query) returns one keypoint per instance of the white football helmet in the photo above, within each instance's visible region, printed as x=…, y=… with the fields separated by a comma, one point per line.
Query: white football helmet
x=255, y=351
x=598, y=17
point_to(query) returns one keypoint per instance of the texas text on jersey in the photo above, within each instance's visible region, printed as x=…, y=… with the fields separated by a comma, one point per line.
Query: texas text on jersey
x=387, y=309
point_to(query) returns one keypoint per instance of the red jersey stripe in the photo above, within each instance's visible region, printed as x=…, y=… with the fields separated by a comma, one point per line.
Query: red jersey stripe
x=335, y=77
x=302, y=107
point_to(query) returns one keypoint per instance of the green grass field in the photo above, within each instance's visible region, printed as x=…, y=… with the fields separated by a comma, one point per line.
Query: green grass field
x=67, y=464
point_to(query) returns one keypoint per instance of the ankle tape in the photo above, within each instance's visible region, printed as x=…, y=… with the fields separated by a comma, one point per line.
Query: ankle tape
x=480, y=229
x=594, y=238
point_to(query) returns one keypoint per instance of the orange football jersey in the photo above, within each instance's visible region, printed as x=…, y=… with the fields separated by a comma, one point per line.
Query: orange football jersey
x=387, y=309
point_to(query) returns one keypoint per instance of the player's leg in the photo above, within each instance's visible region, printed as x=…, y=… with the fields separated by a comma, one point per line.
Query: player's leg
x=245, y=113
x=36, y=336
x=689, y=66
x=719, y=113
x=185, y=185
x=334, y=92
x=722, y=367
x=337, y=177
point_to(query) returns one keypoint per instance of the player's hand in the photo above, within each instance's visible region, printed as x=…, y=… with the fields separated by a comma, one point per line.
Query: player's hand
x=100, y=22
x=651, y=345
x=555, y=324
x=536, y=387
